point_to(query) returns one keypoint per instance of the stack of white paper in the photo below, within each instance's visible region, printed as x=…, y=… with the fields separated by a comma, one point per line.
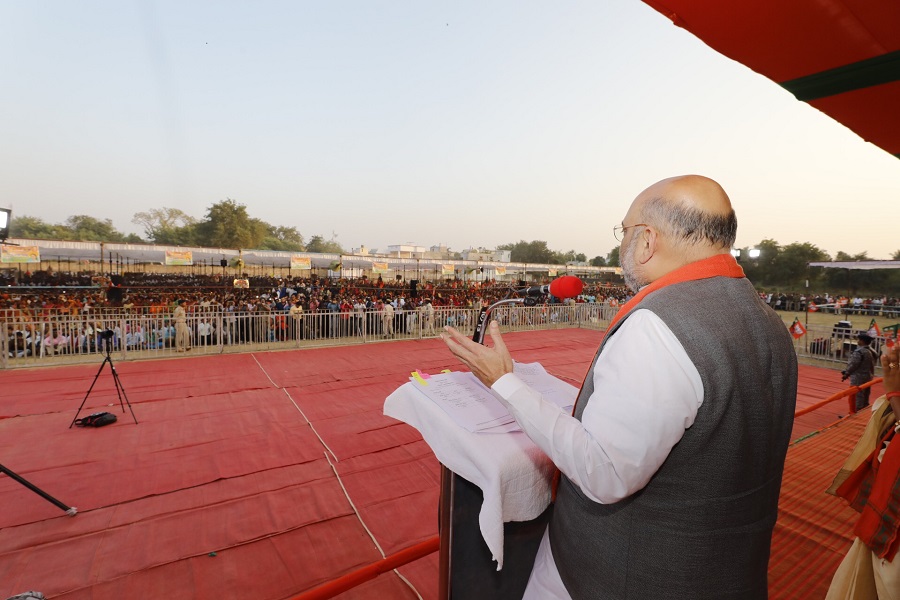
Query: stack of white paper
x=474, y=407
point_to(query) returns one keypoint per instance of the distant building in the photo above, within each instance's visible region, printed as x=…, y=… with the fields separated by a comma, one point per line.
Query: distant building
x=406, y=251
x=484, y=255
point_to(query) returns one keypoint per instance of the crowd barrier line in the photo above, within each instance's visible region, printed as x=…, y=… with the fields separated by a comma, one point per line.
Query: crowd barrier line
x=332, y=588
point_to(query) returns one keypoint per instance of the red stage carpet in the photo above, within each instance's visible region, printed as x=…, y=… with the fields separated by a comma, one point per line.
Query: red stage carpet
x=263, y=475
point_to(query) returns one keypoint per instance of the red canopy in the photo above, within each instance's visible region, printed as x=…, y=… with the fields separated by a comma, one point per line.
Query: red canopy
x=840, y=56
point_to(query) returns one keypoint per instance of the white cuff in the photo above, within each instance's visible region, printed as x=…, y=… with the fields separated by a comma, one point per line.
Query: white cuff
x=507, y=385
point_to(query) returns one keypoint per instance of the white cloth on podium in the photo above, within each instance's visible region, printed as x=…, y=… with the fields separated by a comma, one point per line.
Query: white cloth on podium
x=513, y=473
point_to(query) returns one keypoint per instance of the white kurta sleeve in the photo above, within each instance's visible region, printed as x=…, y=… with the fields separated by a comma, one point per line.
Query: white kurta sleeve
x=646, y=393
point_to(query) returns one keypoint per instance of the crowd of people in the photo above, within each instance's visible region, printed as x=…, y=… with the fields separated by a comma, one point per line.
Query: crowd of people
x=63, y=313
x=888, y=306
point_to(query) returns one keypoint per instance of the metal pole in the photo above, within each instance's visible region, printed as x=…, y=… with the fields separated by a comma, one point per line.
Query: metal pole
x=70, y=510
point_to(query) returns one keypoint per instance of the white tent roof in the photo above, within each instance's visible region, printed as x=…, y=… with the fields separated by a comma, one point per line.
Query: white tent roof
x=150, y=253
x=861, y=264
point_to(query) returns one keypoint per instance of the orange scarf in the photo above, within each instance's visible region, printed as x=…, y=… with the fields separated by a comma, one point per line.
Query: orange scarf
x=720, y=265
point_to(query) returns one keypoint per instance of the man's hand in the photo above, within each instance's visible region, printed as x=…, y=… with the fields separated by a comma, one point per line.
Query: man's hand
x=844, y=376
x=890, y=364
x=487, y=364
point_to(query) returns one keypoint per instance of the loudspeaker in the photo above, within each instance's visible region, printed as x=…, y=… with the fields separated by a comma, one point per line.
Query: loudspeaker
x=117, y=279
x=413, y=284
x=114, y=294
x=223, y=262
x=398, y=277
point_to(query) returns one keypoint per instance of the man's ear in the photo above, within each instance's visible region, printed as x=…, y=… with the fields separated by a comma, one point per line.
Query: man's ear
x=648, y=244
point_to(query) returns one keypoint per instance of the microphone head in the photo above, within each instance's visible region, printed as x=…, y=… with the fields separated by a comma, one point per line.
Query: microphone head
x=567, y=286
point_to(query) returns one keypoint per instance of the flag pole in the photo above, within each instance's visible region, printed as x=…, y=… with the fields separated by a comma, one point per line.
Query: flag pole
x=806, y=307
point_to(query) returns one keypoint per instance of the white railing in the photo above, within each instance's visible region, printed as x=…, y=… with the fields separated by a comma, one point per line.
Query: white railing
x=831, y=343
x=59, y=337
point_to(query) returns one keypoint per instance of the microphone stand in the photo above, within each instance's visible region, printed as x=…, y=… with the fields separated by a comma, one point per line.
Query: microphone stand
x=485, y=315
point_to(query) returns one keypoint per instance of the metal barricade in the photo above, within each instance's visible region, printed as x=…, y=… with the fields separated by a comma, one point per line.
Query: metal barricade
x=58, y=337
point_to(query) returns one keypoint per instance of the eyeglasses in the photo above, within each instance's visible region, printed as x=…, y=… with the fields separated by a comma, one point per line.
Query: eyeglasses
x=619, y=230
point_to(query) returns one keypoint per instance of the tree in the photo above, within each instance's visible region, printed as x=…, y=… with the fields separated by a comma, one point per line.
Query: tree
x=283, y=238
x=35, y=228
x=844, y=257
x=317, y=243
x=531, y=252
x=761, y=270
x=895, y=255
x=77, y=227
x=89, y=229
x=227, y=225
x=598, y=261
x=167, y=226
x=612, y=259
x=791, y=270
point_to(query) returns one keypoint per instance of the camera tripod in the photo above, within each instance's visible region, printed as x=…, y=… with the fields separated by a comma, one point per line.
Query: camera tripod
x=106, y=339
x=70, y=510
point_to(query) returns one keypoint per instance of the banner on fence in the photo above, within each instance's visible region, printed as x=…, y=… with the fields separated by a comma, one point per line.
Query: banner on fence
x=447, y=270
x=179, y=258
x=552, y=272
x=301, y=263
x=379, y=267
x=500, y=270
x=20, y=254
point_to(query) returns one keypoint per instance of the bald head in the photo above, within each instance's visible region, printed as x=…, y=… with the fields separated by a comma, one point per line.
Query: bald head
x=693, y=211
x=685, y=219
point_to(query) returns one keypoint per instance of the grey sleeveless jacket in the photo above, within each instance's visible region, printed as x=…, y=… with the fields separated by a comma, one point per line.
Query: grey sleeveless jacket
x=702, y=526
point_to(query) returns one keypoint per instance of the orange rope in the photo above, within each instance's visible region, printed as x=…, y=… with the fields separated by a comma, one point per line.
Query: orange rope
x=843, y=393
x=334, y=587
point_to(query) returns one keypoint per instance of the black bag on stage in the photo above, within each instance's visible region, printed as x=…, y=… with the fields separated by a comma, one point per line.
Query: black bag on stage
x=96, y=420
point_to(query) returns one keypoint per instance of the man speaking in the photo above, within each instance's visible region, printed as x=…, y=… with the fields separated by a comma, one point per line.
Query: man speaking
x=672, y=462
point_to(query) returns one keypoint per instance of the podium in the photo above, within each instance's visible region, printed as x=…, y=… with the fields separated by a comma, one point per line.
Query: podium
x=467, y=570
x=495, y=494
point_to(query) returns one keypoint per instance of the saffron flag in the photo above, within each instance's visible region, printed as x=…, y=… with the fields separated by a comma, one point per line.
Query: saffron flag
x=797, y=329
x=874, y=329
x=813, y=307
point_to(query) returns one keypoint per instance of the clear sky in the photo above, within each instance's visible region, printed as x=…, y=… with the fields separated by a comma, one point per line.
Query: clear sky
x=459, y=123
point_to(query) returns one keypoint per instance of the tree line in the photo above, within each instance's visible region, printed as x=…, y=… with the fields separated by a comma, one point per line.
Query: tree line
x=227, y=224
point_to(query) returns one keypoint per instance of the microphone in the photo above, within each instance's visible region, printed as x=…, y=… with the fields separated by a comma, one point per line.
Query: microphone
x=567, y=286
